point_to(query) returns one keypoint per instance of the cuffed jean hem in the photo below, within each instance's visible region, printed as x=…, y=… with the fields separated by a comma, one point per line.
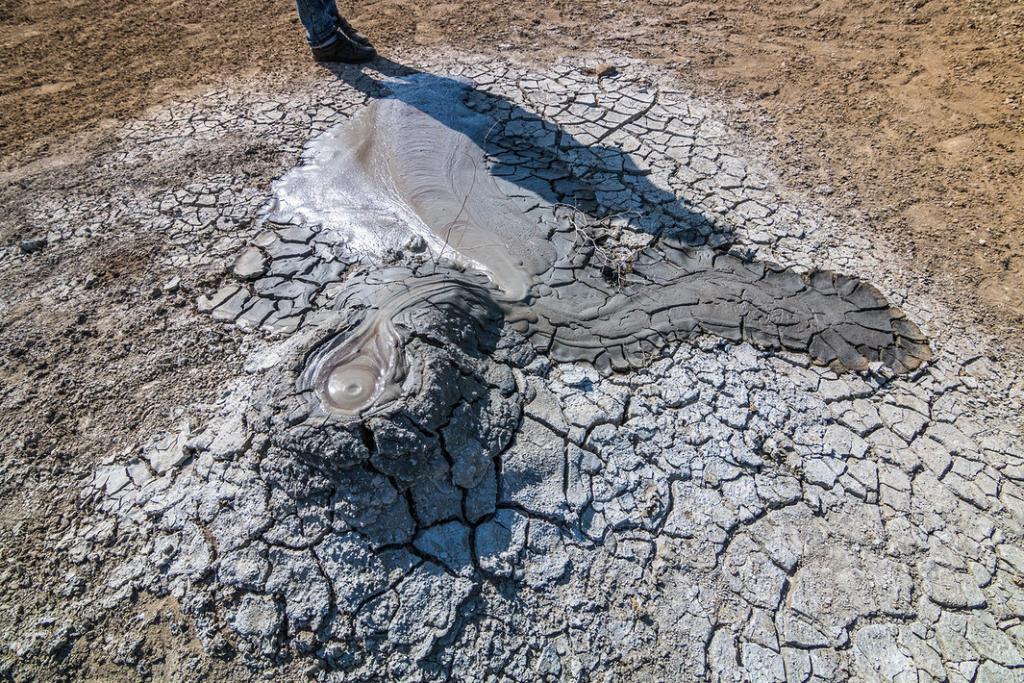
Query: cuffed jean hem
x=323, y=43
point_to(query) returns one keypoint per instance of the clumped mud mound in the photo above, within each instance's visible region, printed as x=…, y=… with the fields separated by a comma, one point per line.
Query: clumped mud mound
x=551, y=385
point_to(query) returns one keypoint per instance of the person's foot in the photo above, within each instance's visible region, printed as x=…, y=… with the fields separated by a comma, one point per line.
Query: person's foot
x=343, y=49
x=350, y=31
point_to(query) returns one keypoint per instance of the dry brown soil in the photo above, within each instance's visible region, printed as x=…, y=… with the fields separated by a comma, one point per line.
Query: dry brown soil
x=909, y=113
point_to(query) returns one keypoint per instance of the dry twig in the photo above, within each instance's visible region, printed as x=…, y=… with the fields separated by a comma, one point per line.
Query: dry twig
x=613, y=258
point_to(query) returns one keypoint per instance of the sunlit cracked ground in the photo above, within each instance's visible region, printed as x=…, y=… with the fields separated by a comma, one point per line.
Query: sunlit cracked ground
x=719, y=513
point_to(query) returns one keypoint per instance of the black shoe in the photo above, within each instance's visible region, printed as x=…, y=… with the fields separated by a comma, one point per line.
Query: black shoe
x=351, y=31
x=344, y=49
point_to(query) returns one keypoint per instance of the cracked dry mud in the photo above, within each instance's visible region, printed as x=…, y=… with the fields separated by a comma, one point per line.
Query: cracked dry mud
x=677, y=426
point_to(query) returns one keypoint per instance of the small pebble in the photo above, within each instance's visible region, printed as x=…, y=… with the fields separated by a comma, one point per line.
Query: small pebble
x=32, y=245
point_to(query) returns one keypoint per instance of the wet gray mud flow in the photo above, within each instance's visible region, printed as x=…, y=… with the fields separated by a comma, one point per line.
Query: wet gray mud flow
x=514, y=409
x=482, y=186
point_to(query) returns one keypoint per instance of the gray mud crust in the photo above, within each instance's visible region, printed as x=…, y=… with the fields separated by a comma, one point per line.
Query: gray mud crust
x=719, y=436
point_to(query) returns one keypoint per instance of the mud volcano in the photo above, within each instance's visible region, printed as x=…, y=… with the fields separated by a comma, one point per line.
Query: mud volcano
x=507, y=207
x=402, y=483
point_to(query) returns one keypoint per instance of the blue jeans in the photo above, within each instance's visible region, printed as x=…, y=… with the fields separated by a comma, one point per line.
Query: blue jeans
x=318, y=17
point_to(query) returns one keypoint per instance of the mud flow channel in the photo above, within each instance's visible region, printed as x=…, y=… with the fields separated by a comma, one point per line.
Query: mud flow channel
x=505, y=228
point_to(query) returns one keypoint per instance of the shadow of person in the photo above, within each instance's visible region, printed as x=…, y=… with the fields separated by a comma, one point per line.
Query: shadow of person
x=472, y=166
x=599, y=179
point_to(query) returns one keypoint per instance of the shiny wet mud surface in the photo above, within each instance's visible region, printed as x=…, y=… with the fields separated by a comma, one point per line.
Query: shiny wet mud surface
x=478, y=184
x=574, y=391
